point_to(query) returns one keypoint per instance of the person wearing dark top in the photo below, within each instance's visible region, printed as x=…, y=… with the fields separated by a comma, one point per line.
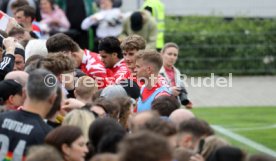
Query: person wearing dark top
x=26, y=127
x=7, y=63
x=76, y=12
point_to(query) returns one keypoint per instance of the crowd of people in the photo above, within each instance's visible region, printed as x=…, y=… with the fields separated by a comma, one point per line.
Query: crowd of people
x=123, y=100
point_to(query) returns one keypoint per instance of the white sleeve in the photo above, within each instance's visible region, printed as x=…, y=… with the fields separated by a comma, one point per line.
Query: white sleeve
x=87, y=23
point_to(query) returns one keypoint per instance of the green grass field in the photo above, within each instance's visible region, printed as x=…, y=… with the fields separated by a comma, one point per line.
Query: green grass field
x=255, y=123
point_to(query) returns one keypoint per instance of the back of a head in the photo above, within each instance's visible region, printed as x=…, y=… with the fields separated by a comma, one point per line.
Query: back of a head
x=133, y=42
x=85, y=87
x=145, y=146
x=58, y=63
x=212, y=143
x=43, y=153
x=20, y=76
x=181, y=115
x=193, y=126
x=61, y=43
x=136, y=21
x=41, y=85
x=81, y=118
x=139, y=120
x=111, y=45
x=165, y=105
x=66, y=134
x=113, y=91
x=159, y=126
x=101, y=127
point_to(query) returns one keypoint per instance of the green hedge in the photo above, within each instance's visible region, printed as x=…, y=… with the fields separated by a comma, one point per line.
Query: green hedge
x=211, y=44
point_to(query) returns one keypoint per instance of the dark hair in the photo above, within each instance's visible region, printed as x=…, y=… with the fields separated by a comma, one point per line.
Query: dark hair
x=100, y=129
x=145, y=146
x=65, y=134
x=136, y=21
x=61, y=43
x=165, y=105
x=19, y=3
x=111, y=45
x=196, y=127
x=27, y=10
x=37, y=89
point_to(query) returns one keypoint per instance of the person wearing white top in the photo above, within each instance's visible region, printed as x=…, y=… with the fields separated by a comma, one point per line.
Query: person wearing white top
x=109, y=20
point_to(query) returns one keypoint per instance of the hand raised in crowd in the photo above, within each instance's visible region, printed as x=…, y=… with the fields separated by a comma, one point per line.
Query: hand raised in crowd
x=9, y=44
x=71, y=103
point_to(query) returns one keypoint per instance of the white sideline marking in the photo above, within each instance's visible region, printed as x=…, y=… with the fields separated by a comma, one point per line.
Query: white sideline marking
x=244, y=140
x=254, y=128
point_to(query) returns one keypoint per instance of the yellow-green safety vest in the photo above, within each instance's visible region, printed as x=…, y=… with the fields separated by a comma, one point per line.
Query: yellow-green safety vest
x=158, y=12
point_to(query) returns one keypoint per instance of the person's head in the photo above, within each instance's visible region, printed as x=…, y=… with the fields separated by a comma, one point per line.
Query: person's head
x=20, y=76
x=25, y=15
x=148, y=62
x=140, y=119
x=104, y=107
x=42, y=87
x=43, y=153
x=180, y=115
x=81, y=118
x=130, y=46
x=110, y=51
x=190, y=132
x=18, y=3
x=11, y=94
x=47, y=6
x=165, y=105
x=62, y=66
x=113, y=91
x=136, y=21
x=19, y=55
x=100, y=129
x=33, y=62
x=63, y=43
x=106, y=4
x=18, y=33
x=145, y=146
x=35, y=47
x=85, y=88
x=125, y=104
x=69, y=141
x=211, y=144
x=170, y=54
